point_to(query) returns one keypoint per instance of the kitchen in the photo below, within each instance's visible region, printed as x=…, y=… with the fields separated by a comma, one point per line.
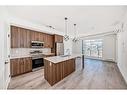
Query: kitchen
x=30, y=48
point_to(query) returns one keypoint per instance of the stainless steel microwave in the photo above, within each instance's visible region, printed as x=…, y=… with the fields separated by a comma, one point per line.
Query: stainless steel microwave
x=37, y=44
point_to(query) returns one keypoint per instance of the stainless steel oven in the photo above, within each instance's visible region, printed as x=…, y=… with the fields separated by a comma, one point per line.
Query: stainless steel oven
x=37, y=59
x=39, y=62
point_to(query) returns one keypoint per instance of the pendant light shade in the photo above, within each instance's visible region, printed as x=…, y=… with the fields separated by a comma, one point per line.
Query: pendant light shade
x=66, y=37
x=75, y=39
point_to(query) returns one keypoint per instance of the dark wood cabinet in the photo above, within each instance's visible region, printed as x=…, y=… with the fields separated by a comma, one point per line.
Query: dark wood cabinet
x=20, y=66
x=54, y=72
x=21, y=38
x=15, y=37
x=41, y=37
x=28, y=39
x=45, y=41
x=32, y=35
x=51, y=45
x=48, y=41
x=58, y=38
x=35, y=36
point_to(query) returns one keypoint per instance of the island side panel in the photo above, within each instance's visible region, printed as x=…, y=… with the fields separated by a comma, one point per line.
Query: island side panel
x=54, y=72
x=49, y=72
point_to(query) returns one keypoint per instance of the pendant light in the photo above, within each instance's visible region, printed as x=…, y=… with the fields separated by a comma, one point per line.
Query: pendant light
x=66, y=37
x=75, y=39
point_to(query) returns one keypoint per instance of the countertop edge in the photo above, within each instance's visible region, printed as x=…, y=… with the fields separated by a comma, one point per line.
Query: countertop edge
x=53, y=59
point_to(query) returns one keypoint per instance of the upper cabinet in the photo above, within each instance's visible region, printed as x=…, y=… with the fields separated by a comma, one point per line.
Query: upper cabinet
x=58, y=38
x=24, y=40
x=15, y=37
x=21, y=38
x=48, y=41
x=35, y=36
x=41, y=37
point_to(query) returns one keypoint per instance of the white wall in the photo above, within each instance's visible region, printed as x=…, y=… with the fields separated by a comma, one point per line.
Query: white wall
x=122, y=50
x=3, y=47
x=77, y=47
x=109, y=46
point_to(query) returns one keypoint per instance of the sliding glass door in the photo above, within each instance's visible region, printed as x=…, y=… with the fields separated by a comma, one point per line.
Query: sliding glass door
x=92, y=48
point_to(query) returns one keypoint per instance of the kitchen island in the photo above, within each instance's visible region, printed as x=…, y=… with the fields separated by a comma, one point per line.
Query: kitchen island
x=58, y=67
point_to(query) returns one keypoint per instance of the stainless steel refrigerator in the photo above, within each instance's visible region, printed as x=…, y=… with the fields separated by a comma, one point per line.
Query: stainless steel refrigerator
x=59, y=49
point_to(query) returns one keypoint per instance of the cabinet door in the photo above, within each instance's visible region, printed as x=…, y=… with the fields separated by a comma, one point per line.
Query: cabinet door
x=61, y=39
x=58, y=38
x=36, y=35
x=45, y=40
x=27, y=64
x=23, y=38
x=15, y=37
x=28, y=39
x=15, y=67
x=41, y=37
x=32, y=35
x=50, y=41
x=20, y=37
x=21, y=41
x=21, y=65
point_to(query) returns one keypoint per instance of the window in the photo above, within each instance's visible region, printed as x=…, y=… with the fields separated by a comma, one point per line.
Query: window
x=92, y=48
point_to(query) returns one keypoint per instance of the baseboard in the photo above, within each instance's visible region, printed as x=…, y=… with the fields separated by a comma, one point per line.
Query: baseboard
x=122, y=73
x=101, y=59
x=7, y=83
x=109, y=61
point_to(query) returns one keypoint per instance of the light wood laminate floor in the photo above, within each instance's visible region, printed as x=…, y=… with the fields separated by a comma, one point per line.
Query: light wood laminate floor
x=96, y=75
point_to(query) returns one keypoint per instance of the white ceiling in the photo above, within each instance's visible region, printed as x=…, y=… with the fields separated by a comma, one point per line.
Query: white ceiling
x=87, y=18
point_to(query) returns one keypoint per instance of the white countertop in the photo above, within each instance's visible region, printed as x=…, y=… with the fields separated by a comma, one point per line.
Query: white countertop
x=46, y=54
x=20, y=56
x=57, y=59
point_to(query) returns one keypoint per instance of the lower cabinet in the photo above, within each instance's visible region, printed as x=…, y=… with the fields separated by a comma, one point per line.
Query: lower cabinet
x=54, y=72
x=20, y=66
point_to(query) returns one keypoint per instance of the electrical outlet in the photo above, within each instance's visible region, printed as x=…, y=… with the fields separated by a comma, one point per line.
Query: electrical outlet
x=50, y=64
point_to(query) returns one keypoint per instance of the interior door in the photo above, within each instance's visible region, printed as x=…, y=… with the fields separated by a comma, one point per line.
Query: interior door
x=7, y=56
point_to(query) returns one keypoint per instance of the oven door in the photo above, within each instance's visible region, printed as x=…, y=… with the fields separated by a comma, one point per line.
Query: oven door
x=37, y=63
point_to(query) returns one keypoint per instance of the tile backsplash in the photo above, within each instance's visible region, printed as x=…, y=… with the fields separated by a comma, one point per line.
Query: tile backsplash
x=25, y=52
